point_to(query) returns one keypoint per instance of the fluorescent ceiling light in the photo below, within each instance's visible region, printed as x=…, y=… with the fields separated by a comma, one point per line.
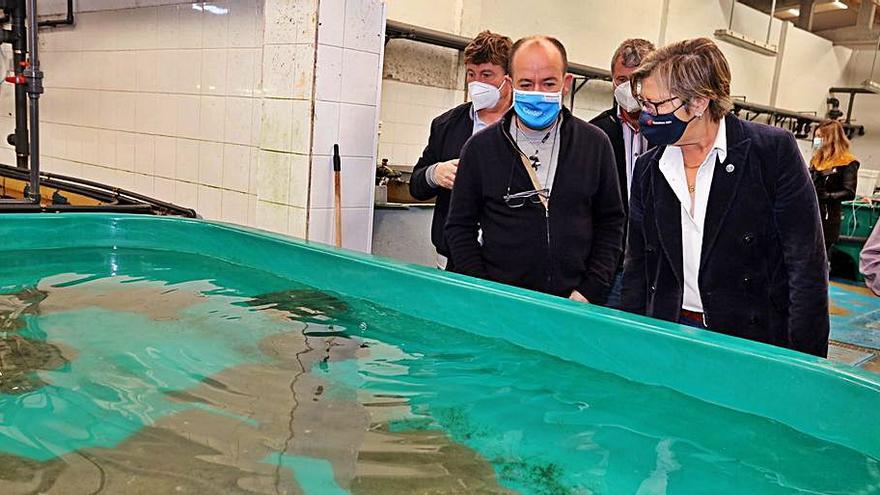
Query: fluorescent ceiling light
x=211, y=9
x=789, y=13
x=744, y=41
x=872, y=86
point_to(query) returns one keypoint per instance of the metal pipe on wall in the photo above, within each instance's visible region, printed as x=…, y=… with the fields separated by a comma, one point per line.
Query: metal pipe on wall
x=402, y=30
x=19, y=53
x=770, y=24
x=34, y=78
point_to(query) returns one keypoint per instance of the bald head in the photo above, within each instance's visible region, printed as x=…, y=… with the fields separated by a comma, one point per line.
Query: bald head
x=538, y=63
x=548, y=45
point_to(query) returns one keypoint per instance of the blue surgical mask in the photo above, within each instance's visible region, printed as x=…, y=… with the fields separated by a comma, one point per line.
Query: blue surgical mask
x=662, y=130
x=536, y=109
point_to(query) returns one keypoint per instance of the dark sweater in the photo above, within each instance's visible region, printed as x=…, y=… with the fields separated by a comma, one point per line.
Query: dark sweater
x=574, y=245
x=449, y=132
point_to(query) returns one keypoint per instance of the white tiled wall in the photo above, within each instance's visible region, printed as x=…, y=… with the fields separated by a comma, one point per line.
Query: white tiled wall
x=210, y=105
x=406, y=114
x=349, y=59
x=286, y=122
x=162, y=100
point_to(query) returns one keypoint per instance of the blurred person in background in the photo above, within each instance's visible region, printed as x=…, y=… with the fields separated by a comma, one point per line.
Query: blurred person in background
x=835, y=174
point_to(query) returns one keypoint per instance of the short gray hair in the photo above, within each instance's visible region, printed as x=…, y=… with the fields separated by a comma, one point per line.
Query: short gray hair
x=690, y=69
x=631, y=52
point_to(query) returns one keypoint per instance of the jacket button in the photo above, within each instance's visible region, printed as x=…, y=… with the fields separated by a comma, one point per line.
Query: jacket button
x=747, y=280
x=649, y=249
x=748, y=238
x=651, y=289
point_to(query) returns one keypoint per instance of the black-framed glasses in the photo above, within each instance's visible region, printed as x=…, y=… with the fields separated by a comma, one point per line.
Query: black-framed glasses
x=653, y=107
x=518, y=200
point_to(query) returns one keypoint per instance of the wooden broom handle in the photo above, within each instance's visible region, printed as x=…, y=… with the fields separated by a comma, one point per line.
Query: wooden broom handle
x=337, y=191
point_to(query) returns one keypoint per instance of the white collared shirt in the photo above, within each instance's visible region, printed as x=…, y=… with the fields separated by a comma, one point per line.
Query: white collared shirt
x=479, y=125
x=693, y=216
x=634, y=145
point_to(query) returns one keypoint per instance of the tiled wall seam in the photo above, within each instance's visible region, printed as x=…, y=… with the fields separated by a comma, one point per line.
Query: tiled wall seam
x=350, y=35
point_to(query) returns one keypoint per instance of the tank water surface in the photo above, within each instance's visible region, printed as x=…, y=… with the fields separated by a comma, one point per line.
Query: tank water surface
x=155, y=372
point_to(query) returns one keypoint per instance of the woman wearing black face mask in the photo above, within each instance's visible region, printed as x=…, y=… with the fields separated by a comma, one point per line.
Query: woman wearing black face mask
x=724, y=222
x=835, y=174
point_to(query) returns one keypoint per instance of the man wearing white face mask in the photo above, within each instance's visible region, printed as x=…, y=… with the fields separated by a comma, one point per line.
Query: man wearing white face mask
x=621, y=124
x=542, y=187
x=486, y=59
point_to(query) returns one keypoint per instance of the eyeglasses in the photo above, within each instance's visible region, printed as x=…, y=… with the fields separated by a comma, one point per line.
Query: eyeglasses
x=518, y=200
x=653, y=107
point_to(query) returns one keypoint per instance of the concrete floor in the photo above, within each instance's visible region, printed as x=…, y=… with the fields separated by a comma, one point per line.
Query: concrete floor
x=403, y=232
x=855, y=326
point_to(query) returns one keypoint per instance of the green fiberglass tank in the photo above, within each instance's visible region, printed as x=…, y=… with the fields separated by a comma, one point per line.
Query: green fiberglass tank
x=165, y=355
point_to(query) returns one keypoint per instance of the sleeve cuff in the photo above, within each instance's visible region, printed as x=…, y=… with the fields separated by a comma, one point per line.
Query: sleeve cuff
x=429, y=176
x=595, y=292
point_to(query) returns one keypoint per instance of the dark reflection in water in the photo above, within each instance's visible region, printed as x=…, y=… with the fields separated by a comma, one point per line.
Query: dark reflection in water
x=255, y=423
x=22, y=355
x=17, y=304
x=306, y=305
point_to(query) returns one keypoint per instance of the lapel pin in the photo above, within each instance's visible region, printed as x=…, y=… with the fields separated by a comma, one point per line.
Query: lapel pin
x=730, y=168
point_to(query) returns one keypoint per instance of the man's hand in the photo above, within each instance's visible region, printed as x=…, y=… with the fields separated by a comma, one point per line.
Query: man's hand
x=444, y=173
x=577, y=296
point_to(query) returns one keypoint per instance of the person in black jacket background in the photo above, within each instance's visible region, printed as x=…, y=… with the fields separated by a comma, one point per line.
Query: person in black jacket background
x=724, y=229
x=621, y=124
x=542, y=187
x=486, y=59
x=835, y=174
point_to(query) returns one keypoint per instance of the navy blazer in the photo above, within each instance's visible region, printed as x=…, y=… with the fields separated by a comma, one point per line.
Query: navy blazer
x=763, y=271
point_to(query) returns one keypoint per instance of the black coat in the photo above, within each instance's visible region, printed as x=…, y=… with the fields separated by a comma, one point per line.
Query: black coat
x=763, y=273
x=449, y=132
x=574, y=245
x=832, y=187
x=610, y=125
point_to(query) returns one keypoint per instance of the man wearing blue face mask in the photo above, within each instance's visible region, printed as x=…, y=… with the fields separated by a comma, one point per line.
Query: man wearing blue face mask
x=486, y=59
x=542, y=186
